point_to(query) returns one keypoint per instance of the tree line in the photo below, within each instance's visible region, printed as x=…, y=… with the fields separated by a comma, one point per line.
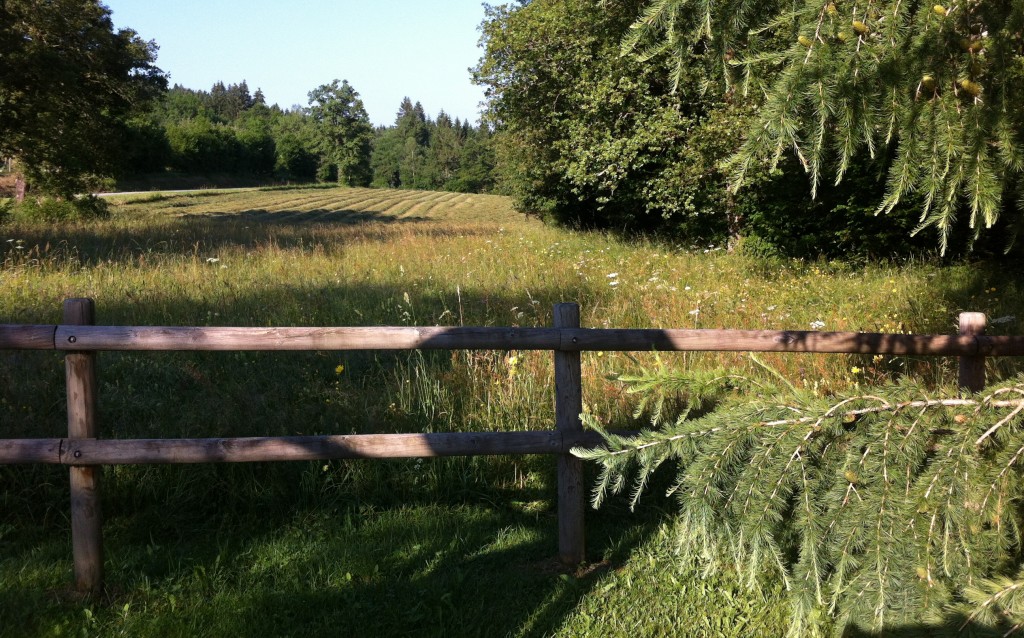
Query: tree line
x=229, y=130
x=432, y=154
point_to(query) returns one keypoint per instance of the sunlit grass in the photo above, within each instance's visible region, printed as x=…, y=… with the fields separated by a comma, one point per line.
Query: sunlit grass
x=227, y=549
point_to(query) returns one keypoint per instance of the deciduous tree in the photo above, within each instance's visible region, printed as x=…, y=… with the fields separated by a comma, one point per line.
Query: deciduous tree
x=342, y=132
x=69, y=82
x=587, y=136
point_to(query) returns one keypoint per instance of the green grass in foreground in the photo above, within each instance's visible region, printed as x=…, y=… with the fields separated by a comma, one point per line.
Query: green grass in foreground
x=440, y=547
x=421, y=569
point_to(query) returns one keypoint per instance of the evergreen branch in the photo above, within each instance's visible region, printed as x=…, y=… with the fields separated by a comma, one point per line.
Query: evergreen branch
x=994, y=592
x=1009, y=417
x=847, y=499
x=1003, y=470
x=593, y=454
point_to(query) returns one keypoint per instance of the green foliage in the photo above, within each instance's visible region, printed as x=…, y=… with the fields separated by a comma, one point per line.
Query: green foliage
x=200, y=145
x=876, y=508
x=341, y=132
x=146, y=148
x=840, y=222
x=229, y=102
x=70, y=81
x=937, y=87
x=49, y=209
x=295, y=158
x=588, y=137
x=226, y=131
x=422, y=153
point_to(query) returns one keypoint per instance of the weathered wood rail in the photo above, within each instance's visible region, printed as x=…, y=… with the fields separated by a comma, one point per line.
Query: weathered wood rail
x=85, y=453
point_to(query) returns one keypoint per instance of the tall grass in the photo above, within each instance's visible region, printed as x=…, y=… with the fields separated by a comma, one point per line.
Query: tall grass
x=236, y=547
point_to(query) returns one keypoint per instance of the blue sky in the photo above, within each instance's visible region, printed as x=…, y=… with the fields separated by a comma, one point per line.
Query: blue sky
x=387, y=49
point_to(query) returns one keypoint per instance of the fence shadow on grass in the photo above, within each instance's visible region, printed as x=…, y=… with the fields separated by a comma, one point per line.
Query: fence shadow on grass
x=463, y=572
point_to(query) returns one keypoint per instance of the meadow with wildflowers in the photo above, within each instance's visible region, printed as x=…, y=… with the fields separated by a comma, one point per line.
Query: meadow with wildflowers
x=425, y=547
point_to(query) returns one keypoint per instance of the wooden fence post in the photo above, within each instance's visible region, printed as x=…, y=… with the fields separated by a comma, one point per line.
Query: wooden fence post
x=568, y=406
x=972, y=369
x=86, y=519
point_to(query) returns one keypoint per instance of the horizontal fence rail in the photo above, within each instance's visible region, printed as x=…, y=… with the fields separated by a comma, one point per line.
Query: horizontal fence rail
x=288, y=448
x=152, y=338
x=85, y=453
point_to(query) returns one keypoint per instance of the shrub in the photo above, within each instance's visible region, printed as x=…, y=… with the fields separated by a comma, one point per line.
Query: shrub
x=49, y=209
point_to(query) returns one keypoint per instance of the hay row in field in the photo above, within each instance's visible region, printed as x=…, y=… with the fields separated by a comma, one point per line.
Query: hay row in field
x=337, y=205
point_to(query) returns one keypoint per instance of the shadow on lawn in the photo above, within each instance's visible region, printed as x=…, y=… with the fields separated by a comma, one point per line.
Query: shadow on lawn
x=440, y=571
x=202, y=236
x=421, y=568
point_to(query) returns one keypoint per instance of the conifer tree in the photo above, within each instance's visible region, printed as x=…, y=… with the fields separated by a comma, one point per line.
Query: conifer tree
x=939, y=87
x=445, y=149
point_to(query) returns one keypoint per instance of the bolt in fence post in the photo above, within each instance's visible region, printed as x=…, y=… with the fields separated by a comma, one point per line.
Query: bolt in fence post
x=86, y=519
x=568, y=406
x=972, y=368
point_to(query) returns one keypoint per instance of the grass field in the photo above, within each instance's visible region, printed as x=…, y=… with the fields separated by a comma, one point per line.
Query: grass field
x=437, y=547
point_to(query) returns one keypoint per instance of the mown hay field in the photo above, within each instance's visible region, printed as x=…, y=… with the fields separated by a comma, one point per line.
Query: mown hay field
x=431, y=547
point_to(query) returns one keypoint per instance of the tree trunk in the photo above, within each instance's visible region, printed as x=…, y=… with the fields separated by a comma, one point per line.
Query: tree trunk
x=19, y=188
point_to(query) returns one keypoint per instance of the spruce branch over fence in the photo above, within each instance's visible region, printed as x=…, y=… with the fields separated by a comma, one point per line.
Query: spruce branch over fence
x=879, y=508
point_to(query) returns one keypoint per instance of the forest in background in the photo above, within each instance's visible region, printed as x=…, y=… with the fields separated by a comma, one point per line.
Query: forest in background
x=229, y=131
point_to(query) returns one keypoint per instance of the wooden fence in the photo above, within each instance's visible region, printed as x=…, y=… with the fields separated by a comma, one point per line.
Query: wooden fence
x=84, y=452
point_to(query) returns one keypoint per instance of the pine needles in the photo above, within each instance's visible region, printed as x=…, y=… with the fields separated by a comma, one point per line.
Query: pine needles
x=878, y=508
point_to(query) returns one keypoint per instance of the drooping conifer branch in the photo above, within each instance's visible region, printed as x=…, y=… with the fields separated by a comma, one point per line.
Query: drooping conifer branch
x=876, y=509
